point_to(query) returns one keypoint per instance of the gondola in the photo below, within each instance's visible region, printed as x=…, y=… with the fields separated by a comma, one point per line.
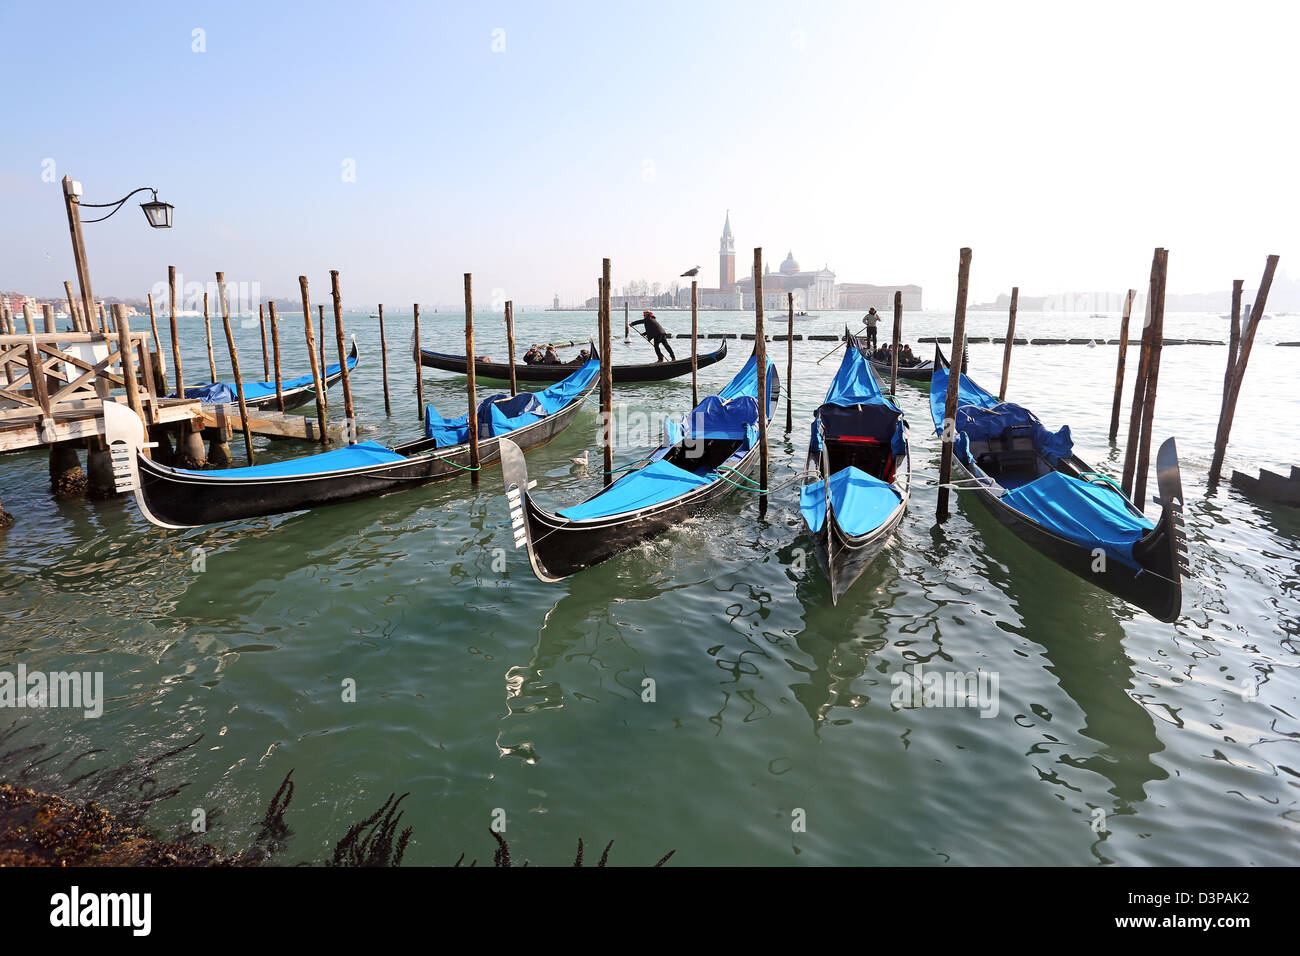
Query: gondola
x=261, y=395
x=1032, y=482
x=181, y=498
x=623, y=374
x=859, y=462
x=704, y=458
x=921, y=372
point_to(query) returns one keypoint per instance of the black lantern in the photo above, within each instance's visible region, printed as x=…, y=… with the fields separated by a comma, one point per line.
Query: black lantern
x=158, y=213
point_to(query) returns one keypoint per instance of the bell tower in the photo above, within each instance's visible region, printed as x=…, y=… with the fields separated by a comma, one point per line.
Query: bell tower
x=727, y=258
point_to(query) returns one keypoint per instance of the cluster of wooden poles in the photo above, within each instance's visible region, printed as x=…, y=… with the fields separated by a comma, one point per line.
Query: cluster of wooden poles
x=1137, y=452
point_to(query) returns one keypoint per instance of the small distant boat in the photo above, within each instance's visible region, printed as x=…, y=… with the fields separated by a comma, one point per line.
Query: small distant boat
x=184, y=498
x=1098, y=315
x=705, y=457
x=261, y=395
x=1034, y=484
x=374, y=315
x=861, y=471
x=500, y=371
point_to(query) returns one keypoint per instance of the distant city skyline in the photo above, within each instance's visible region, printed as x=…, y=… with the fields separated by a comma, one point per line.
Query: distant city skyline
x=406, y=146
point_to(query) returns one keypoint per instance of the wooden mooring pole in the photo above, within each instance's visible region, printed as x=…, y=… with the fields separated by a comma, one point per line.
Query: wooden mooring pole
x=266, y=356
x=419, y=366
x=317, y=372
x=157, y=344
x=1119, y=363
x=627, y=323
x=510, y=346
x=1011, y=338
x=606, y=375
x=324, y=366
x=1234, y=341
x=234, y=366
x=207, y=331
x=1140, y=385
x=275, y=347
x=383, y=351
x=1153, y=378
x=470, y=376
x=760, y=370
x=1233, y=392
x=695, y=342
x=73, y=313
x=898, y=337
x=954, y=380
x=349, y=411
x=789, y=363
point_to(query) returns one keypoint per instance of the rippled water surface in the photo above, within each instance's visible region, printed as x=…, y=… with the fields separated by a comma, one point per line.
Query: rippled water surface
x=481, y=689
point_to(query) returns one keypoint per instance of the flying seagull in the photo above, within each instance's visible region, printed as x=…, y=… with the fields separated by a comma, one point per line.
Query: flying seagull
x=691, y=272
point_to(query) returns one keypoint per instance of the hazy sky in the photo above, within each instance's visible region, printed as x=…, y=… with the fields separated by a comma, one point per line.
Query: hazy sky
x=1061, y=141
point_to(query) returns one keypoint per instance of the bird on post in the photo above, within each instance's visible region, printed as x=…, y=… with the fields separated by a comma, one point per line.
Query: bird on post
x=690, y=273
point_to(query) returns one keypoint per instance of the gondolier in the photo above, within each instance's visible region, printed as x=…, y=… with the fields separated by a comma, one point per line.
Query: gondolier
x=656, y=334
x=872, y=319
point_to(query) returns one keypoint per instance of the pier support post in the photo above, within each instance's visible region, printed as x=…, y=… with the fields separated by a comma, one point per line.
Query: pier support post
x=99, y=470
x=190, y=452
x=219, y=454
x=627, y=322
x=324, y=366
x=66, y=477
x=949, y=435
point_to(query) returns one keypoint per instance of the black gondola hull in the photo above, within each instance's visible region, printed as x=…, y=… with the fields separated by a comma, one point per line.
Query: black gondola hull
x=176, y=498
x=1157, y=588
x=622, y=374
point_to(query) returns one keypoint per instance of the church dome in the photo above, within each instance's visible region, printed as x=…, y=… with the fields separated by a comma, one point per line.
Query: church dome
x=789, y=267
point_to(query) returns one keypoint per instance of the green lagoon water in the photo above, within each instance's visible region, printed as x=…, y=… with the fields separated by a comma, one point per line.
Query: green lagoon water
x=482, y=689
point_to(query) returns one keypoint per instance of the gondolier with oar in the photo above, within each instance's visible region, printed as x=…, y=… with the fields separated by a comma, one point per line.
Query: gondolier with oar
x=655, y=334
x=872, y=319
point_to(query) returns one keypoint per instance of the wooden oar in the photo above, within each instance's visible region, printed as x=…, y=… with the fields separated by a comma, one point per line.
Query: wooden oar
x=837, y=348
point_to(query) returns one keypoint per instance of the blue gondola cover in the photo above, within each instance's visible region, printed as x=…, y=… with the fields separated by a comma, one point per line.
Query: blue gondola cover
x=862, y=502
x=1093, y=516
x=219, y=393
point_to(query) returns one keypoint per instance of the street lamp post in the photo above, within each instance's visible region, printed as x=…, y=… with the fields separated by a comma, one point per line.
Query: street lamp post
x=158, y=214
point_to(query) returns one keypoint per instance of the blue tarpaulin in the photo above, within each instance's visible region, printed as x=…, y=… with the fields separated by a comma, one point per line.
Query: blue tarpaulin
x=500, y=415
x=354, y=456
x=656, y=482
x=980, y=416
x=219, y=393
x=746, y=382
x=861, y=501
x=853, y=383
x=1093, y=516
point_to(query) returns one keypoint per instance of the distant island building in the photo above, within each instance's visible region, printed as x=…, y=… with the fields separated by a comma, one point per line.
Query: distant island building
x=814, y=290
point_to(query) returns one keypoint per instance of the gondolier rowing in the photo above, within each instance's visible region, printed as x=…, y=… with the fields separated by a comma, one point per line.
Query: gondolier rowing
x=655, y=334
